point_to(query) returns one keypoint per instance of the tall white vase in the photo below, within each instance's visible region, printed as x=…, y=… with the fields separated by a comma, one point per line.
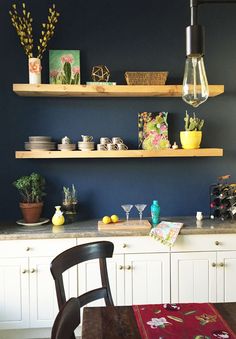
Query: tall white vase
x=35, y=71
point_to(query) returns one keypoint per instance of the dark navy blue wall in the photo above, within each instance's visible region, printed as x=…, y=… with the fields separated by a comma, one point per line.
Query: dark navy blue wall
x=124, y=35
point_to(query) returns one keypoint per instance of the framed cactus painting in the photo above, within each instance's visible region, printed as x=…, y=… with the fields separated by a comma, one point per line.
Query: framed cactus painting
x=153, y=130
x=64, y=67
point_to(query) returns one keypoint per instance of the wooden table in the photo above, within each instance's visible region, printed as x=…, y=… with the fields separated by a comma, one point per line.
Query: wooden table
x=119, y=321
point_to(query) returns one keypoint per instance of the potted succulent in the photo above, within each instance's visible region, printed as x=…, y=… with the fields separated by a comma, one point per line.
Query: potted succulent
x=70, y=204
x=31, y=189
x=192, y=136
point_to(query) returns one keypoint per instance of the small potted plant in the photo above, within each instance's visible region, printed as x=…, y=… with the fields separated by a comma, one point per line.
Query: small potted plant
x=192, y=136
x=70, y=204
x=31, y=189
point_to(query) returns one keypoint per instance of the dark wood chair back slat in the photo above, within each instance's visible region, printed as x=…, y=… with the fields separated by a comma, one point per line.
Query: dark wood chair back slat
x=76, y=255
x=67, y=320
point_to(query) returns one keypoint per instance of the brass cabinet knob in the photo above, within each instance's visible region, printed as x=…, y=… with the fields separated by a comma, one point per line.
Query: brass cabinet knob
x=124, y=245
x=213, y=264
x=33, y=270
x=128, y=267
x=222, y=264
x=217, y=243
x=24, y=271
x=121, y=267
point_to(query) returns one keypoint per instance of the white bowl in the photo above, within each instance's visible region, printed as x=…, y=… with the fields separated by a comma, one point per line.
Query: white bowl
x=85, y=143
x=40, y=138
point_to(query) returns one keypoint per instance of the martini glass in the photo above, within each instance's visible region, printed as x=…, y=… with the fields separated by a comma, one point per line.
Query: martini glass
x=140, y=208
x=127, y=209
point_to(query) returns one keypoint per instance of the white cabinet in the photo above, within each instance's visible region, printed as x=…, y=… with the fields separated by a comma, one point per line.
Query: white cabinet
x=137, y=272
x=27, y=292
x=203, y=268
x=198, y=268
x=193, y=278
x=226, y=276
x=14, y=299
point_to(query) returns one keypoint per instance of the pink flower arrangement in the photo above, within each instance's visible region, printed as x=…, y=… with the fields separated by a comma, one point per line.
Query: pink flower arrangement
x=34, y=66
x=67, y=58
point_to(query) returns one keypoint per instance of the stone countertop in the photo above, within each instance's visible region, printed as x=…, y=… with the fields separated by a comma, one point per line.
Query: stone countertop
x=84, y=229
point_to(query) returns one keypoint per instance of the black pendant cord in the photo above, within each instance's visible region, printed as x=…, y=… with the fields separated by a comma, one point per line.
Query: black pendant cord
x=195, y=3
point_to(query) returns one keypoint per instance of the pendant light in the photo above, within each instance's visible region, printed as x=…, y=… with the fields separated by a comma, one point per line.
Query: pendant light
x=195, y=89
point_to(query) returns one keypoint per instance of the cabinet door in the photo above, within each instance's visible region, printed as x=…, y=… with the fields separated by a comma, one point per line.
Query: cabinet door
x=43, y=304
x=226, y=276
x=89, y=278
x=193, y=277
x=14, y=293
x=147, y=278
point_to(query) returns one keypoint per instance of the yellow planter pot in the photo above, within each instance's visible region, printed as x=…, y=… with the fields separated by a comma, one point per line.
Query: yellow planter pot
x=190, y=139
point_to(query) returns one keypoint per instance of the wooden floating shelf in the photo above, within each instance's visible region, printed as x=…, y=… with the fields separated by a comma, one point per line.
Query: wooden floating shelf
x=48, y=90
x=201, y=152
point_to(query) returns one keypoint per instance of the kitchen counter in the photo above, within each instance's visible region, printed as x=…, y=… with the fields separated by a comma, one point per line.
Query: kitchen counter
x=84, y=229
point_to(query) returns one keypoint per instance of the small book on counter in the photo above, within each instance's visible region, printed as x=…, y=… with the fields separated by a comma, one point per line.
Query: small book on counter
x=166, y=232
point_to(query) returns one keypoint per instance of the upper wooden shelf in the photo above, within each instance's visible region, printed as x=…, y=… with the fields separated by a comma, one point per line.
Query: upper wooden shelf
x=48, y=90
x=201, y=152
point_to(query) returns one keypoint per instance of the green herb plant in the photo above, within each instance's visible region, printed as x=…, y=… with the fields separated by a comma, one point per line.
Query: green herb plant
x=31, y=188
x=70, y=197
x=193, y=123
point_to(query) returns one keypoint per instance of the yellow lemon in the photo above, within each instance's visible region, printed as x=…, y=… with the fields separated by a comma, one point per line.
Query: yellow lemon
x=106, y=220
x=114, y=218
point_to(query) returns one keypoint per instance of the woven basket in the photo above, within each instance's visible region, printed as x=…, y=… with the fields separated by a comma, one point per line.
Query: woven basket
x=146, y=78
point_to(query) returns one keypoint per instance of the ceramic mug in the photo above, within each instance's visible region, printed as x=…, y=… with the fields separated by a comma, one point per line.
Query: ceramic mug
x=105, y=140
x=65, y=140
x=87, y=138
x=121, y=147
x=101, y=147
x=199, y=216
x=111, y=147
x=117, y=140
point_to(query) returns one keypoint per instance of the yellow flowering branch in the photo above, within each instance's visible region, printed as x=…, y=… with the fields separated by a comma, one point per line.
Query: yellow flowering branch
x=23, y=25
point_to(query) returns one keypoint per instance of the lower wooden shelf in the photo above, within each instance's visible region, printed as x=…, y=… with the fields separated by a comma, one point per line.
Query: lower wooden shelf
x=201, y=152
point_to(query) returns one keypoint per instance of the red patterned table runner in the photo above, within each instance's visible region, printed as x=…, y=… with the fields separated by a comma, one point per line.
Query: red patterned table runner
x=181, y=321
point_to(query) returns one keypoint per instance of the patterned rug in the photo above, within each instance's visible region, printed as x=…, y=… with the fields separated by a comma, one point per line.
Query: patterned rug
x=185, y=321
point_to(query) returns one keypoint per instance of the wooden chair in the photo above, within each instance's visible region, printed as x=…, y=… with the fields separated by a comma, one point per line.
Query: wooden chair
x=76, y=255
x=67, y=320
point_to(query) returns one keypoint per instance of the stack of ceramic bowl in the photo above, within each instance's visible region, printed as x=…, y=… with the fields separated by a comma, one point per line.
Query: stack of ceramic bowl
x=85, y=145
x=66, y=147
x=40, y=143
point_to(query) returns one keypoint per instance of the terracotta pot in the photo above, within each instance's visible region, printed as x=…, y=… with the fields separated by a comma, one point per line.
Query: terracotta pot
x=31, y=212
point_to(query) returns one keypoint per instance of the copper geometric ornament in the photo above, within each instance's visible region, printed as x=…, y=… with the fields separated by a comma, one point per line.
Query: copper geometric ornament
x=100, y=73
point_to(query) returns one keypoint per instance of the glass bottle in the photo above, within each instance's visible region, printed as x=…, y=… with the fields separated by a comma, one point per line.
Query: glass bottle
x=155, y=213
x=70, y=204
x=58, y=218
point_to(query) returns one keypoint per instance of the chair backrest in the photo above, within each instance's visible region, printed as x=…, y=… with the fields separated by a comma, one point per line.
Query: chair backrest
x=76, y=255
x=67, y=320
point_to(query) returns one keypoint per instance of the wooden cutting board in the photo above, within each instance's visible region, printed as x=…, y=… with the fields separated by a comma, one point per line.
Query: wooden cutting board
x=125, y=225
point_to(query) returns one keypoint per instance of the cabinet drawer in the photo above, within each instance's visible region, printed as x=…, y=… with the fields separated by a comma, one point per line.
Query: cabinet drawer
x=205, y=242
x=130, y=244
x=41, y=247
x=50, y=247
x=14, y=248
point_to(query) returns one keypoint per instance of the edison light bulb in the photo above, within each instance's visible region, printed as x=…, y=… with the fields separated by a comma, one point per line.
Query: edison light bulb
x=195, y=85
